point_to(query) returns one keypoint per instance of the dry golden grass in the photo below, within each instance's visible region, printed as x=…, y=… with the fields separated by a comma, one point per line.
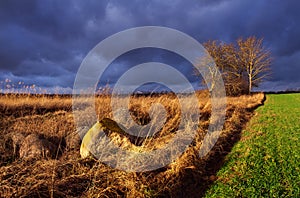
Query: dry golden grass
x=67, y=175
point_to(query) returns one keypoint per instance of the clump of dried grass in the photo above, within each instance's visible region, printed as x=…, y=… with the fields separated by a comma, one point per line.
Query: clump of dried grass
x=68, y=175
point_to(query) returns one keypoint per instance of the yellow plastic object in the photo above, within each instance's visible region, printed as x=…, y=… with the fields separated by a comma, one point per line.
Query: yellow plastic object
x=84, y=151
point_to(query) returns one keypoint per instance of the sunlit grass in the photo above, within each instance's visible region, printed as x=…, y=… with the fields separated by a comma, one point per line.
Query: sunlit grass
x=68, y=175
x=266, y=162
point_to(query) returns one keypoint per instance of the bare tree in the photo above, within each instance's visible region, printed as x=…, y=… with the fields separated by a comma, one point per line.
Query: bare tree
x=255, y=59
x=243, y=65
x=233, y=73
x=209, y=73
x=226, y=59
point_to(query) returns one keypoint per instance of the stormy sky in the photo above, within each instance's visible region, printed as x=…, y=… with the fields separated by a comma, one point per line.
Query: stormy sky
x=44, y=42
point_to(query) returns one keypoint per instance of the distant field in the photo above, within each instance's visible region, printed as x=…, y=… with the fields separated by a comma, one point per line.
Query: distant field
x=266, y=161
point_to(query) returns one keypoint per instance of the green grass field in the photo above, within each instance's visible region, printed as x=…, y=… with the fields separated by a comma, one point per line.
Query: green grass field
x=266, y=161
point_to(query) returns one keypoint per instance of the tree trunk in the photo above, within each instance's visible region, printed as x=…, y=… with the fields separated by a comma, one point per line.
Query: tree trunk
x=250, y=84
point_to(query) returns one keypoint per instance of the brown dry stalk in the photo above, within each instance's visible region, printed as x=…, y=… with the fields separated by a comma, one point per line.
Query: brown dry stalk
x=66, y=175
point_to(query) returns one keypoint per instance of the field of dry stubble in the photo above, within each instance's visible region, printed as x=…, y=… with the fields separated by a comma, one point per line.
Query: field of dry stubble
x=58, y=170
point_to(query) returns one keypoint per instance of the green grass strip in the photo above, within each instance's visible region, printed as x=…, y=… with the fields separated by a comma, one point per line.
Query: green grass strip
x=266, y=161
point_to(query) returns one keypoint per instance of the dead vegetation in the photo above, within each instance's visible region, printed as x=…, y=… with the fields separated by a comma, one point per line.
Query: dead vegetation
x=56, y=169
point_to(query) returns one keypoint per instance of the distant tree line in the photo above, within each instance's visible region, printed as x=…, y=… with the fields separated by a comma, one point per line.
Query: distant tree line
x=243, y=64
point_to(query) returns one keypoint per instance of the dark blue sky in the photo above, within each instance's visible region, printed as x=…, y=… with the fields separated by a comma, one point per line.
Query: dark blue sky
x=44, y=42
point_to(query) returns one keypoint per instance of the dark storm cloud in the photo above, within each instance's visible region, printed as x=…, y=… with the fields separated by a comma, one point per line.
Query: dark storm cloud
x=44, y=42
